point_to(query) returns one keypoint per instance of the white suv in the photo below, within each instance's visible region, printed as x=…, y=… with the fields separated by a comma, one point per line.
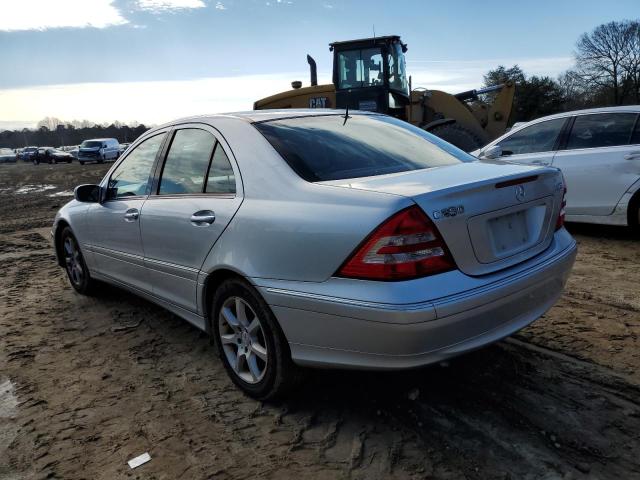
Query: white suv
x=598, y=151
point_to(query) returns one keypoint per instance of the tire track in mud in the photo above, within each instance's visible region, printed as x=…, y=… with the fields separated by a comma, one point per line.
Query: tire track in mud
x=91, y=396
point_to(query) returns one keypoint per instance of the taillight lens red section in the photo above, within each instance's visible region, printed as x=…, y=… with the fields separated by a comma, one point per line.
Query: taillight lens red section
x=561, y=215
x=407, y=245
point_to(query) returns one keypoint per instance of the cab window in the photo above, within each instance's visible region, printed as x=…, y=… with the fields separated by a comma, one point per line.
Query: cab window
x=540, y=137
x=360, y=68
x=186, y=165
x=131, y=177
x=601, y=130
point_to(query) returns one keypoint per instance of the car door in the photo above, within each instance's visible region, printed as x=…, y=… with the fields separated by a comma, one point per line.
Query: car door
x=193, y=200
x=114, y=223
x=598, y=162
x=533, y=145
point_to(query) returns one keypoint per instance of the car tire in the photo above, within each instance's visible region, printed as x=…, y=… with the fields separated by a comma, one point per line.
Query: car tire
x=100, y=159
x=68, y=160
x=457, y=135
x=256, y=355
x=80, y=162
x=74, y=264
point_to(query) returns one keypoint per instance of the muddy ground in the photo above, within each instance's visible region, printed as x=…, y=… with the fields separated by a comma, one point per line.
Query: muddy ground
x=88, y=383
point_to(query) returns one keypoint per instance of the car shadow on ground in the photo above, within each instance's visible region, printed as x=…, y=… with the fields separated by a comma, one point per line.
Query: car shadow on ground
x=602, y=231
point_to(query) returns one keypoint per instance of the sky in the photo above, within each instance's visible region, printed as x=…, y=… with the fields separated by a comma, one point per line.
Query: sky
x=155, y=60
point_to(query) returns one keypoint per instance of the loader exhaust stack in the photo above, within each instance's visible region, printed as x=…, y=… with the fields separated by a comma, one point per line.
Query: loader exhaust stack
x=313, y=69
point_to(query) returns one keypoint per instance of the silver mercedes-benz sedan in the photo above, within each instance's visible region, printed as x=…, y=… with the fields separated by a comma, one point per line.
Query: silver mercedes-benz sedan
x=321, y=238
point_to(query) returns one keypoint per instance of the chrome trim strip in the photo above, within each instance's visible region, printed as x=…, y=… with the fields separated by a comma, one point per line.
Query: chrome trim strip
x=172, y=269
x=123, y=256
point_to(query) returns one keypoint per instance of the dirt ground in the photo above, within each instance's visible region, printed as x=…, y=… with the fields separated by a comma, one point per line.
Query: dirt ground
x=88, y=383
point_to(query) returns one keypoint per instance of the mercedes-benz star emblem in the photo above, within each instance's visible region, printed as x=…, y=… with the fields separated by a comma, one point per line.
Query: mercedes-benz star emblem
x=520, y=194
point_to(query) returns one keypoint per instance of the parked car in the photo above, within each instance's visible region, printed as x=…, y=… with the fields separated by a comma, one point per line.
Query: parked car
x=98, y=150
x=123, y=147
x=28, y=154
x=52, y=155
x=7, y=155
x=598, y=151
x=74, y=151
x=308, y=238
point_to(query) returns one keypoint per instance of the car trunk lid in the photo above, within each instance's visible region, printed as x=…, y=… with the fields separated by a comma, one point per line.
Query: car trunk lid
x=491, y=215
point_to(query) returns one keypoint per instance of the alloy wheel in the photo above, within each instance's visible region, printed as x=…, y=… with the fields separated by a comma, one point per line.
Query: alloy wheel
x=242, y=339
x=73, y=261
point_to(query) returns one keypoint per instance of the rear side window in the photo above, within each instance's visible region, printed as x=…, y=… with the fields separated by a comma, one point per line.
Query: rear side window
x=601, y=130
x=321, y=148
x=187, y=162
x=221, y=178
x=540, y=137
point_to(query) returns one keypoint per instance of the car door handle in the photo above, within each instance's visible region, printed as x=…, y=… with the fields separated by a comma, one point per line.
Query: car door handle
x=632, y=156
x=131, y=215
x=203, y=218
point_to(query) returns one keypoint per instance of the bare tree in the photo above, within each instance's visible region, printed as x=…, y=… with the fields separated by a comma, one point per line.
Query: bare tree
x=601, y=56
x=630, y=63
x=50, y=122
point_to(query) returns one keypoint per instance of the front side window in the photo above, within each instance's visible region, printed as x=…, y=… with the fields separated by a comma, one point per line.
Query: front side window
x=131, y=177
x=187, y=162
x=360, y=68
x=601, y=130
x=221, y=178
x=540, y=137
x=325, y=147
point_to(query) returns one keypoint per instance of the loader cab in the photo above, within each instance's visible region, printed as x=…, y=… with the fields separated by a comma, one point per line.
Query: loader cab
x=370, y=74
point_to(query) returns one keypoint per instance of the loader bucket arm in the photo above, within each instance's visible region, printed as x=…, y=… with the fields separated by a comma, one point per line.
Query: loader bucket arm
x=500, y=111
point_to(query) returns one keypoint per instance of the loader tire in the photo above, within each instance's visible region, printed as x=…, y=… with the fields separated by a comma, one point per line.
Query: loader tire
x=459, y=136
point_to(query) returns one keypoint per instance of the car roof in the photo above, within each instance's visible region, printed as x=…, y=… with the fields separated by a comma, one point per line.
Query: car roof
x=622, y=109
x=254, y=116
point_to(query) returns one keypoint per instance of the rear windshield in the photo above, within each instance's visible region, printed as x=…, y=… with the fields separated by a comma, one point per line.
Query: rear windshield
x=321, y=148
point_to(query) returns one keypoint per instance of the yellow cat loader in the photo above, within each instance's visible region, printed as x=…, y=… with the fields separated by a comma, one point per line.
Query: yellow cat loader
x=370, y=74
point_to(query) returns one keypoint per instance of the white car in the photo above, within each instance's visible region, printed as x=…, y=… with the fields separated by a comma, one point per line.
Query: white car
x=598, y=151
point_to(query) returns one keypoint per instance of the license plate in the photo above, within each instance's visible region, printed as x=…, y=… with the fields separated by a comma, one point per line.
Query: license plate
x=509, y=232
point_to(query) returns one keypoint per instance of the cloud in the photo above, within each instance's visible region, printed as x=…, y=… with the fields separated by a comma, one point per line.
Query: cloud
x=160, y=101
x=220, y=6
x=167, y=5
x=147, y=102
x=45, y=14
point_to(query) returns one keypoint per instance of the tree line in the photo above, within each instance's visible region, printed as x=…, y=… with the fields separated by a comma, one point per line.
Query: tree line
x=52, y=132
x=606, y=73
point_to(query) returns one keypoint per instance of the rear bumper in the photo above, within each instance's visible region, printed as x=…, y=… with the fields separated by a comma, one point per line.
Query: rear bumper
x=346, y=333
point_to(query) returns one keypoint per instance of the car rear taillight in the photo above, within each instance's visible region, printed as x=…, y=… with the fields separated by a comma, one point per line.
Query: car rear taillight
x=407, y=245
x=561, y=215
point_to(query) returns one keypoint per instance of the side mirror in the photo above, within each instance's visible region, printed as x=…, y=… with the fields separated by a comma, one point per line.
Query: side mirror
x=87, y=193
x=492, y=152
